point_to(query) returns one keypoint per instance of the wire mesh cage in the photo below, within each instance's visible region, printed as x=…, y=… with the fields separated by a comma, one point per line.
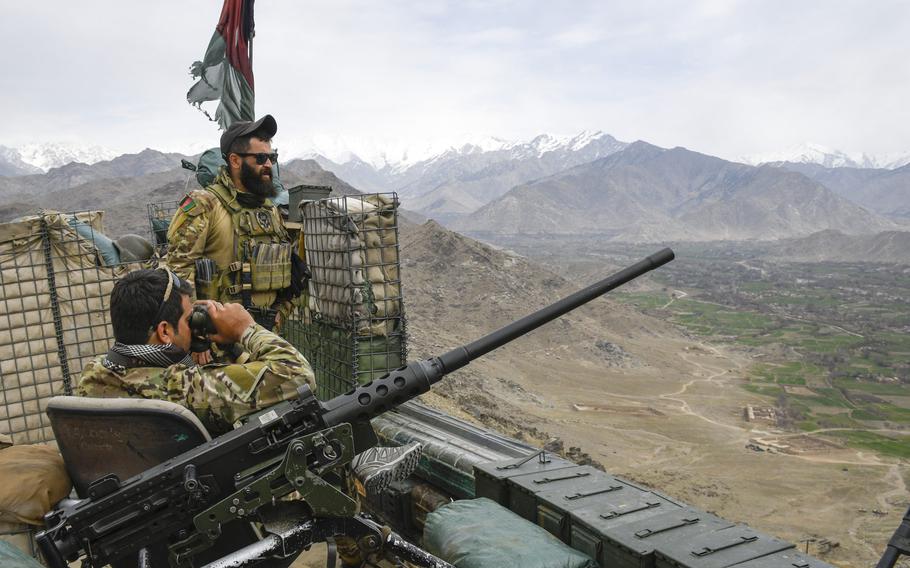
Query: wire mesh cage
x=351, y=324
x=160, y=215
x=56, y=275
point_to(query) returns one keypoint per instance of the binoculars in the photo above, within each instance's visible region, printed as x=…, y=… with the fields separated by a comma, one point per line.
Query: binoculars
x=201, y=327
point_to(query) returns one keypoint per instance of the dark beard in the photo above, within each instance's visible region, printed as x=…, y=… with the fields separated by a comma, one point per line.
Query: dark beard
x=254, y=183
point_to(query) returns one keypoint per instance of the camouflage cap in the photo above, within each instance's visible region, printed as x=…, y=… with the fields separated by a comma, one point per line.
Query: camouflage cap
x=245, y=128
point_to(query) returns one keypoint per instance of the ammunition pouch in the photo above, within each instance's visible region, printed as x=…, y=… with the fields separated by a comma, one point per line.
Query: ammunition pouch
x=262, y=270
x=206, y=280
x=270, y=267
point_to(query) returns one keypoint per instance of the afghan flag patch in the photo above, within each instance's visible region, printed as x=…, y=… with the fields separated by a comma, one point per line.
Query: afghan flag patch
x=187, y=204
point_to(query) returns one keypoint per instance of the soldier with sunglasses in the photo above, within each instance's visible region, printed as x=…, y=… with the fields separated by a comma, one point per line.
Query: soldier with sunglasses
x=228, y=238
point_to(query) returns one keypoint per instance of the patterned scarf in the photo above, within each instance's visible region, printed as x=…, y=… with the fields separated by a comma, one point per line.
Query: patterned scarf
x=250, y=200
x=151, y=355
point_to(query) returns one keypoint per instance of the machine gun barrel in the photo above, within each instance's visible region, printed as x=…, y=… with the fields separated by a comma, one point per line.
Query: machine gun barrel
x=375, y=397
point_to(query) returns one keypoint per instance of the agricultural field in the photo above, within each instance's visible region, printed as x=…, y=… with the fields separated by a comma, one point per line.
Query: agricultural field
x=830, y=341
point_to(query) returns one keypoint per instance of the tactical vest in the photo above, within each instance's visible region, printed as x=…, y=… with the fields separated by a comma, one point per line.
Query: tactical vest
x=262, y=257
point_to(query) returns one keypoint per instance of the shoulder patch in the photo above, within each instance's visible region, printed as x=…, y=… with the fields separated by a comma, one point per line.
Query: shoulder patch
x=187, y=204
x=194, y=203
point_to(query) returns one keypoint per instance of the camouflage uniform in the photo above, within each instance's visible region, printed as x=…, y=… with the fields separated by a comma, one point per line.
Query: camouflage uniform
x=218, y=394
x=249, y=245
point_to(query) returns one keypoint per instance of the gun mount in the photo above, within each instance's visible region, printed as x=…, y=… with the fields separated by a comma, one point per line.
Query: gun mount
x=186, y=502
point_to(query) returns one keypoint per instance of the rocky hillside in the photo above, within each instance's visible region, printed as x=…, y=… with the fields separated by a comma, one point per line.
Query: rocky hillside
x=309, y=172
x=458, y=289
x=125, y=199
x=12, y=164
x=75, y=174
x=883, y=191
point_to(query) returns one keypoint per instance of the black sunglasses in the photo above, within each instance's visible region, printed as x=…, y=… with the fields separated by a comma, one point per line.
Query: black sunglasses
x=261, y=157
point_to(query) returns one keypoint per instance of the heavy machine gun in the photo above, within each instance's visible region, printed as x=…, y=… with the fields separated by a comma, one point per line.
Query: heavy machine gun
x=189, y=502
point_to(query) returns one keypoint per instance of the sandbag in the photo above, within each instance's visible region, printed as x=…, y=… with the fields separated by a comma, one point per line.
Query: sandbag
x=34, y=480
x=350, y=247
x=479, y=533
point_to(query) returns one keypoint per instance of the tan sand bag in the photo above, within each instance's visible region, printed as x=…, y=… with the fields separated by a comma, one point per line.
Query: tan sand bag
x=34, y=480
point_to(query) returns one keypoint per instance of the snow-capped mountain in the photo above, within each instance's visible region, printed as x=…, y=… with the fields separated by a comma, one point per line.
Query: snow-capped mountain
x=390, y=154
x=47, y=155
x=11, y=163
x=809, y=153
x=396, y=156
x=894, y=160
x=454, y=179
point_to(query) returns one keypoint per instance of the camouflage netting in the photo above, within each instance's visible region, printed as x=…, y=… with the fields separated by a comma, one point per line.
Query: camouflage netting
x=54, y=289
x=351, y=324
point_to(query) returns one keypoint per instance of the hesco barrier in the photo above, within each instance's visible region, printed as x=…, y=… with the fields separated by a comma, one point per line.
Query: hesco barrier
x=350, y=324
x=55, y=280
x=57, y=271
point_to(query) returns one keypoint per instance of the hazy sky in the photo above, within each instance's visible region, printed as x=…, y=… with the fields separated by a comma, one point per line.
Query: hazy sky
x=723, y=77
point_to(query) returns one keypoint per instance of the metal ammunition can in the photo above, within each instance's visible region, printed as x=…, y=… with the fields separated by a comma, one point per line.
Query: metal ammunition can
x=719, y=549
x=590, y=528
x=549, y=499
x=490, y=479
x=632, y=544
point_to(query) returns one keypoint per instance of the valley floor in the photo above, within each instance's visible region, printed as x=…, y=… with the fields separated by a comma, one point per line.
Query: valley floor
x=653, y=398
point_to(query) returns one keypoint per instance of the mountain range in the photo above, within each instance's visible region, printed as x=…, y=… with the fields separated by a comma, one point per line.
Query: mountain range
x=884, y=191
x=809, y=153
x=124, y=186
x=396, y=157
x=459, y=180
x=591, y=183
x=40, y=157
x=74, y=174
x=647, y=193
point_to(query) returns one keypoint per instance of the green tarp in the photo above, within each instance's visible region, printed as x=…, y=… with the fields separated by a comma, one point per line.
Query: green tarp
x=12, y=557
x=479, y=533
